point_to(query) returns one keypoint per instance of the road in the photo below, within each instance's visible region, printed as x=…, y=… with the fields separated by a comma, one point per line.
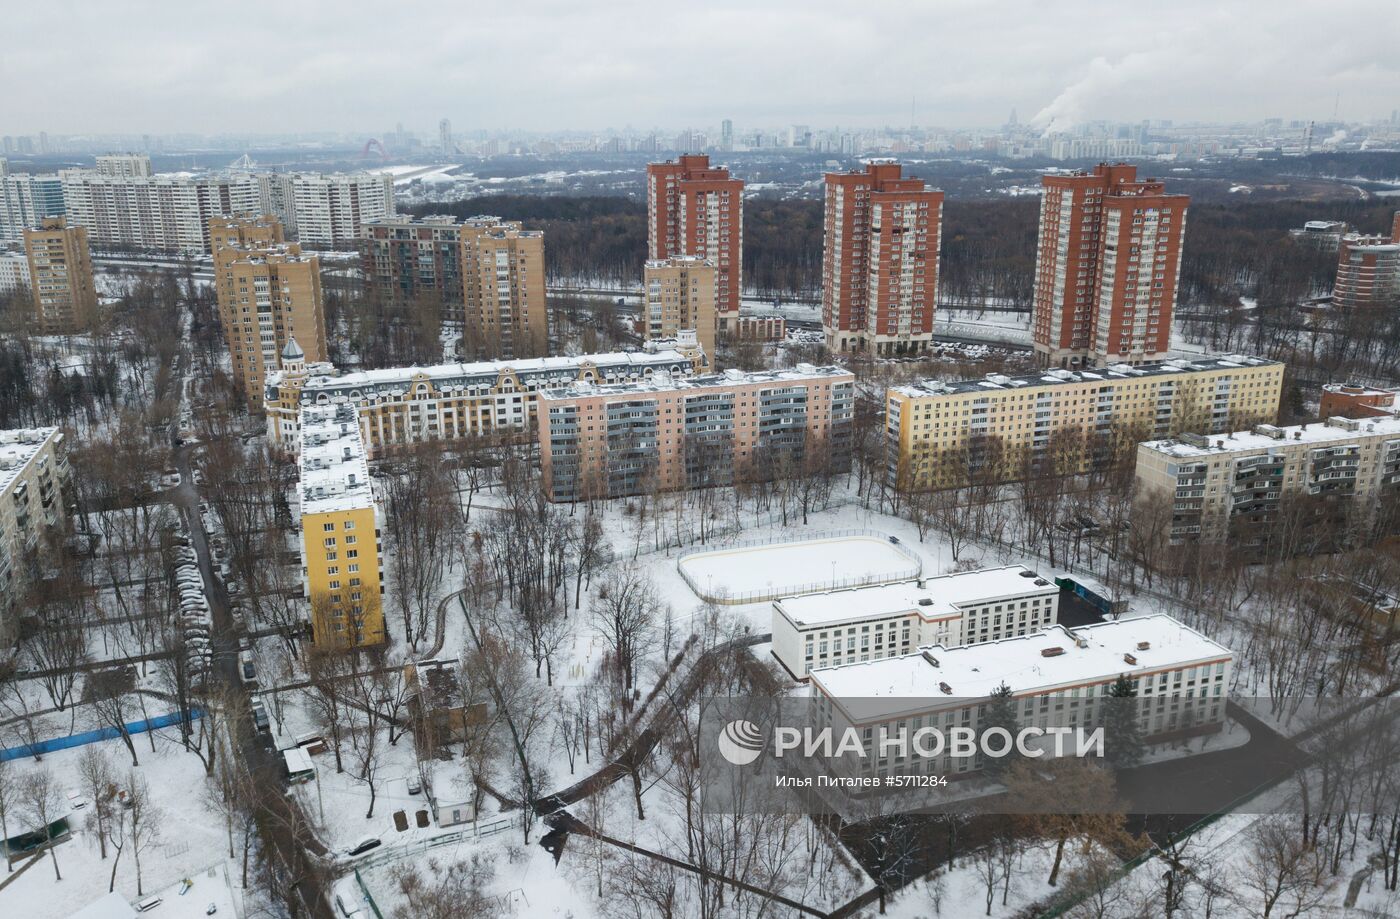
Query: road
x=280, y=822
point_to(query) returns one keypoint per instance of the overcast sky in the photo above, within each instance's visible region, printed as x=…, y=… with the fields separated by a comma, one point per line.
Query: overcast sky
x=346, y=65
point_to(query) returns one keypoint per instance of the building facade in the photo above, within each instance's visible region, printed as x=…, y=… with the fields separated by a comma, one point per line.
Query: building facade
x=697, y=209
x=943, y=435
x=25, y=200
x=34, y=477
x=1107, y=265
x=341, y=563
x=269, y=297
x=14, y=273
x=869, y=623
x=167, y=213
x=668, y=434
x=327, y=211
x=1368, y=271
x=62, y=292
x=135, y=165
x=1351, y=400
x=1058, y=677
x=880, y=257
x=484, y=272
x=1240, y=479
x=680, y=295
x=407, y=405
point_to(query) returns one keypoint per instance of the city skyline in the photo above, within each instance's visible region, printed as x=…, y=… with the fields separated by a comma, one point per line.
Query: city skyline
x=940, y=66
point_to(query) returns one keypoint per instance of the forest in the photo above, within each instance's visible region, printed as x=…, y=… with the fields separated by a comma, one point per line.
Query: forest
x=988, y=252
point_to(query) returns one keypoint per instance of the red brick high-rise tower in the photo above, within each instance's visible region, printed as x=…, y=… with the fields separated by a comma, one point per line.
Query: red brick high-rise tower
x=880, y=261
x=697, y=209
x=1107, y=266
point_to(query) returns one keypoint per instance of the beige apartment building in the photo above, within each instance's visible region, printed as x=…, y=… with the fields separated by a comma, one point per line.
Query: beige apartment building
x=34, y=475
x=398, y=406
x=1218, y=482
x=506, y=315
x=269, y=297
x=62, y=291
x=942, y=434
x=680, y=296
x=669, y=434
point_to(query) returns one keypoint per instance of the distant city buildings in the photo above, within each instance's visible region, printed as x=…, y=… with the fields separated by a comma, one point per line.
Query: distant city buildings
x=168, y=213
x=665, y=434
x=269, y=297
x=880, y=261
x=327, y=211
x=1107, y=266
x=63, y=293
x=340, y=531
x=1216, y=484
x=870, y=623
x=999, y=428
x=484, y=272
x=34, y=475
x=25, y=200
x=679, y=295
x=407, y=405
x=697, y=209
x=1368, y=270
x=134, y=165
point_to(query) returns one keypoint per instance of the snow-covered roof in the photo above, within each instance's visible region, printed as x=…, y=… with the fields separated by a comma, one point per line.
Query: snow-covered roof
x=944, y=595
x=18, y=448
x=333, y=468
x=1265, y=437
x=108, y=906
x=1088, y=654
x=662, y=382
x=549, y=370
x=1061, y=377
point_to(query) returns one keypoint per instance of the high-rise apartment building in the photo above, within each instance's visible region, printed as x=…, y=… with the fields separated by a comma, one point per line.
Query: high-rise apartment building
x=33, y=477
x=269, y=297
x=665, y=434
x=168, y=213
x=697, y=209
x=486, y=273
x=944, y=435
x=680, y=295
x=341, y=563
x=327, y=210
x=1368, y=270
x=1107, y=266
x=25, y=200
x=880, y=261
x=125, y=164
x=63, y=293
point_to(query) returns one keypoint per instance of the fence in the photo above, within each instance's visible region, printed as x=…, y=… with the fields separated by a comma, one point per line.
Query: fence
x=41, y=747
x=773, y=592
x=479, y=830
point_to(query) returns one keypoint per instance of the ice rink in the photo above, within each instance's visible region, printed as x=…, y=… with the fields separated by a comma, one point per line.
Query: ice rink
x=747, y=574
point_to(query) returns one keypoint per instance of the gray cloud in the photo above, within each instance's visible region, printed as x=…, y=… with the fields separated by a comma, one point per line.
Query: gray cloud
x=540, y=64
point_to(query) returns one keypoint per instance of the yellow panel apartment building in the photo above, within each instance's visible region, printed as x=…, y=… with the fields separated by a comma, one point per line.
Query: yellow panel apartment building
x=937, y=433
x=340, y=531
x=680, y=295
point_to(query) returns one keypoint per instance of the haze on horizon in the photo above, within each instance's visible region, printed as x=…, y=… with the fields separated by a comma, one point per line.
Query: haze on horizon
x=258, y=67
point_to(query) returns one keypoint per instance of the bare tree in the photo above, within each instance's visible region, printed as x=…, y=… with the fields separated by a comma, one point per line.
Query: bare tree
x=1287, y=874
x=9, y=798
x=142, y=820
x=44, y=805
x=95, y=773
x=624, y=616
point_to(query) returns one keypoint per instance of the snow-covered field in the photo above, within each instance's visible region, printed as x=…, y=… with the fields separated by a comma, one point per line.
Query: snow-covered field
x=754, y=573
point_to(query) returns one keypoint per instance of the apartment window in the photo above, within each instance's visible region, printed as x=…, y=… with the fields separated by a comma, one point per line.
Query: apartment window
x=330, y=527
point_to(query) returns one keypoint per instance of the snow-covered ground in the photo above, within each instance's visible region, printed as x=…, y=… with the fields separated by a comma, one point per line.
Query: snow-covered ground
x=805, y=566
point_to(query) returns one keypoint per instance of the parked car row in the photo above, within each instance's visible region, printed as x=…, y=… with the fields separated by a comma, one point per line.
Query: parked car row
x=195, y=620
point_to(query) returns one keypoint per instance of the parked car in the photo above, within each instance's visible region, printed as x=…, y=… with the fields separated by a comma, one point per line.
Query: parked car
x=363, y=846
x=415, y=784
x=170, y=478
x=246, y=670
